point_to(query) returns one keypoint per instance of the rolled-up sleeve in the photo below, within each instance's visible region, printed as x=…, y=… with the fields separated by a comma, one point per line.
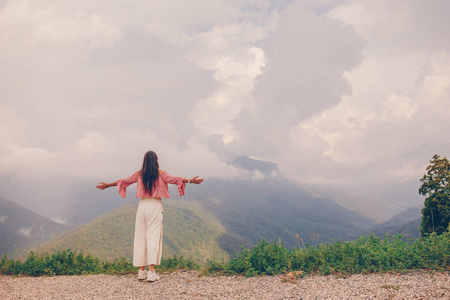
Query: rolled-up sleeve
x=122, y=184
x=174, y=180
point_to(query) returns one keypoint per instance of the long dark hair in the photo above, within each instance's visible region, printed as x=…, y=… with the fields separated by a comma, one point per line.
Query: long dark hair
x=150, y=171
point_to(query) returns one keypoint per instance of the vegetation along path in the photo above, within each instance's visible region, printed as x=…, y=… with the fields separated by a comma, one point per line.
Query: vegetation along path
x=190, y=285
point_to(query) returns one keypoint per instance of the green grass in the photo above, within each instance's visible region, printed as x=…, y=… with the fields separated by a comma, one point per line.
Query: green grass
x=364, y=255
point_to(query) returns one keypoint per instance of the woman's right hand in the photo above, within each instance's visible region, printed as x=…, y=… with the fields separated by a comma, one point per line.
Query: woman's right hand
x=102, y=186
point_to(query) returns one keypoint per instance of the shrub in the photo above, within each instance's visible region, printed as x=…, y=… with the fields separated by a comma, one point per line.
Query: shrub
x=66, y=262
x=364, y=255
x=178, y=263
x=266, y=258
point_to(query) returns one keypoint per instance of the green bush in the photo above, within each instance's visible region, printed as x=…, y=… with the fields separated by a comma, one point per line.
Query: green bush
x=177, y=263
x=364, y=255
x=67, y=262
x=64, y=262
x=120, y=266
x=263, y=259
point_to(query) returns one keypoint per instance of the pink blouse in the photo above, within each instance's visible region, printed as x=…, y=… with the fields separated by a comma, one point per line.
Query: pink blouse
x=161, y=188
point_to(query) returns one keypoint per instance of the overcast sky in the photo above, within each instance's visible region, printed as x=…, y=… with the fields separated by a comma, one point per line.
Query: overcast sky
x=353, y=95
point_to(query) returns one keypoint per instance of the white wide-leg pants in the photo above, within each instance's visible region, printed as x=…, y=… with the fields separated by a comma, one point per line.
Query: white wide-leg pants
x=148, y=233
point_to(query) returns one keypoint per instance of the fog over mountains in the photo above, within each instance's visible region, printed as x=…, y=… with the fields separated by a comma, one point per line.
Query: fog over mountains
x=211, y=228
x=213, y=219
x=75, y=202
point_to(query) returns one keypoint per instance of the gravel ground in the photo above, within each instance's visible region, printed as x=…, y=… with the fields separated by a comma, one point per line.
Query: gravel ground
x=189, y=285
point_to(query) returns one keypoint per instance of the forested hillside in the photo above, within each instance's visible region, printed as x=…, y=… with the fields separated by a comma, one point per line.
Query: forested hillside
x=400, y=219
x=188, y=231
x=21, y=228
x=405, y=223
x=276, y=209
x=217, y=218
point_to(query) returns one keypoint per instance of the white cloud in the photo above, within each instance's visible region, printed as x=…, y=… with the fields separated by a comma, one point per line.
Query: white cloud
x=25, y=22
x=3, y=218
x=305, y=56
x=374, y=21
x=12, y=127
x=228, y=52
x=393, y=122
x=26, y=232
x=60, y=220
x=198, y=158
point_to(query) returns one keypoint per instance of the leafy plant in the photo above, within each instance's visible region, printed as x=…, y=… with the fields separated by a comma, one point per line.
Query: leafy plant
x=178, y=263
x=364, y=255
x=67, y=262
x=436, y=186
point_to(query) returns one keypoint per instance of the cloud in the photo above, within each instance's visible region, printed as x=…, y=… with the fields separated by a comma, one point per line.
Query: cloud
x=60, y=220
x=306, y=55
x=28, y=24
x=236, y=74
x=393, y=121
x=87, y=90
x=373, y=20
x=351, y=94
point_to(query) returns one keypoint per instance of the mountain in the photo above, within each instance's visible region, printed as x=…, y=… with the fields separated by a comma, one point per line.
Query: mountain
x=276, y=209
x=21, y=228
x=402, y=218
x=410, y=229
x=188, y=230
x=377, y=209
x=248, y=163
x=405, y=223
x=218, y=217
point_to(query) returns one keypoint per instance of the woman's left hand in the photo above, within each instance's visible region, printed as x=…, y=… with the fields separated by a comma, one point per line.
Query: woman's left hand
x=197, y=180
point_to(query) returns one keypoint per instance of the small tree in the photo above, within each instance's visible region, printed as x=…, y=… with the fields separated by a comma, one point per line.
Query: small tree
x=436, y=186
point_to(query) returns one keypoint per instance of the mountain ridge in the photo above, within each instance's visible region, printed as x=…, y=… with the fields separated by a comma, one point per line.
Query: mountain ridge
x=22, y=228
x=272, y=208
x=214, y=221
x=406, y=223
x=188, y=231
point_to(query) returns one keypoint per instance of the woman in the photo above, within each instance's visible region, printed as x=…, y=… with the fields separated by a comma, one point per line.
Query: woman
x=151, y=187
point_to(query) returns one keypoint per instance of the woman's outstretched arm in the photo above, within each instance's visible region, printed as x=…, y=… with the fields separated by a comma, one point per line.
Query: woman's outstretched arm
x=104, y=185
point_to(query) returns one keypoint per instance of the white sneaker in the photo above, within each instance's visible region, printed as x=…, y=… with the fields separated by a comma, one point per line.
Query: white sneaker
x=142, y=275
x=152, y=276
